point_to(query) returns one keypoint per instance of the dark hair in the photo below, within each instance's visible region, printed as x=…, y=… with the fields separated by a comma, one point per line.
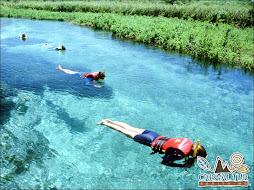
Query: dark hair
x=63, y=48
x=101, y=75
x=201, y=151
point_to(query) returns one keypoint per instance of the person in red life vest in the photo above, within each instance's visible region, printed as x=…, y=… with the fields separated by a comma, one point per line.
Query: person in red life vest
x=174, y=149
x=94, y=76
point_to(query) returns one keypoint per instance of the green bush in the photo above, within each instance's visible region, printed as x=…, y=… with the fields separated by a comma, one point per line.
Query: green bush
x=220, y=44
x=240, y=14
x=177, y=1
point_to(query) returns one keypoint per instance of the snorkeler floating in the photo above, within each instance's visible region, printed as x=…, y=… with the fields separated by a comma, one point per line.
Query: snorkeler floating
x=59, y=47
x=94, y=76
x=23, y=36
x=173, y=148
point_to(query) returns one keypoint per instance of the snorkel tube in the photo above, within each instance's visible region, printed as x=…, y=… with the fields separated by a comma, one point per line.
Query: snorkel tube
x=196, y=149
x=192, y=159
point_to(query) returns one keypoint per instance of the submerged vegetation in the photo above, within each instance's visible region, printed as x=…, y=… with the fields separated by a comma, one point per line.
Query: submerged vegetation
x=217, y=42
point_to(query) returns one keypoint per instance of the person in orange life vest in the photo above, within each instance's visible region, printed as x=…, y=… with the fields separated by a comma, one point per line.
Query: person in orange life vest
x=90, y=76
x=173, y=148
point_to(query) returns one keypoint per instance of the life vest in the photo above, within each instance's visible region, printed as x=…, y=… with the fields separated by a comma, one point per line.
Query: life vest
x=60, y=48
x=91, y=75
x=161, y=144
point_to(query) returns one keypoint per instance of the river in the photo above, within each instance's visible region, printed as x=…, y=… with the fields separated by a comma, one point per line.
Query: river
x=49, y=136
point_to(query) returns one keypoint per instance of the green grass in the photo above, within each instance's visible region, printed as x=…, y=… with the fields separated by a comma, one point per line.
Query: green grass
x=219, y=44
x=229, y=12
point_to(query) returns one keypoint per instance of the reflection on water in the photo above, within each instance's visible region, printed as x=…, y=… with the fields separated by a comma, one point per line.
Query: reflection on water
x=216, y=68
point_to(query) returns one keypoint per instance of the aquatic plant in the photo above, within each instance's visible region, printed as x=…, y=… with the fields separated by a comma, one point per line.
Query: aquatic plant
x=220, y=44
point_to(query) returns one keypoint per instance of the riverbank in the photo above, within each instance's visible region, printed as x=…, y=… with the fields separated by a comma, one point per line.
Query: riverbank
x=238, y=13
x=218, y=43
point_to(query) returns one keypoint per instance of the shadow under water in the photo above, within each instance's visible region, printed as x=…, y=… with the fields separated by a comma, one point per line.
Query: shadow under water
x=76, y=124
x=36, y=74
x=6, y=105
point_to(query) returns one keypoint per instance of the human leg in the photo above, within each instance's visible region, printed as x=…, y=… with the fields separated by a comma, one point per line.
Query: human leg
x=126, y=126
x=128, y=133
x=66, y=70
x=142, y=136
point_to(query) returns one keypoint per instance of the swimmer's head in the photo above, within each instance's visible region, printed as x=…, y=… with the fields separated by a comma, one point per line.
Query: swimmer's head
x=63, y=48
x=101, y=76
x=201, y=151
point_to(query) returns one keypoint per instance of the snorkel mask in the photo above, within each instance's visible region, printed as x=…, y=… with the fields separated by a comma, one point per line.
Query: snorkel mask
x=196, y=150
x=192, y=159
x=104, y=72
x=101, y=80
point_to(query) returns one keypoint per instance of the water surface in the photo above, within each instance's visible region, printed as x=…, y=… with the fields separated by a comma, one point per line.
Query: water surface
x=49, y=134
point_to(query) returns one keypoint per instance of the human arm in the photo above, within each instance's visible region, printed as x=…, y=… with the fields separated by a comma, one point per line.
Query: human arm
x=184, y=165
x=170, y=156
x=88, y=83
x=170, y=161
x=175, y=158
x=187, y=163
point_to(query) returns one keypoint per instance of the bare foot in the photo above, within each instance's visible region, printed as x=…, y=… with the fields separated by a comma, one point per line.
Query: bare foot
x=107, y=120
x=101, y=123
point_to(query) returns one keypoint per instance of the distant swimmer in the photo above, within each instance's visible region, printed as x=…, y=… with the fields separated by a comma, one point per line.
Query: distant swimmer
x=94, y=76
x=59, y=47
x=174, y=149
x=23, y=36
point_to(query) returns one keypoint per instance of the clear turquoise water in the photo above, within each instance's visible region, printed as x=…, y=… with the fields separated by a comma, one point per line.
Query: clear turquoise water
x=49, y=137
